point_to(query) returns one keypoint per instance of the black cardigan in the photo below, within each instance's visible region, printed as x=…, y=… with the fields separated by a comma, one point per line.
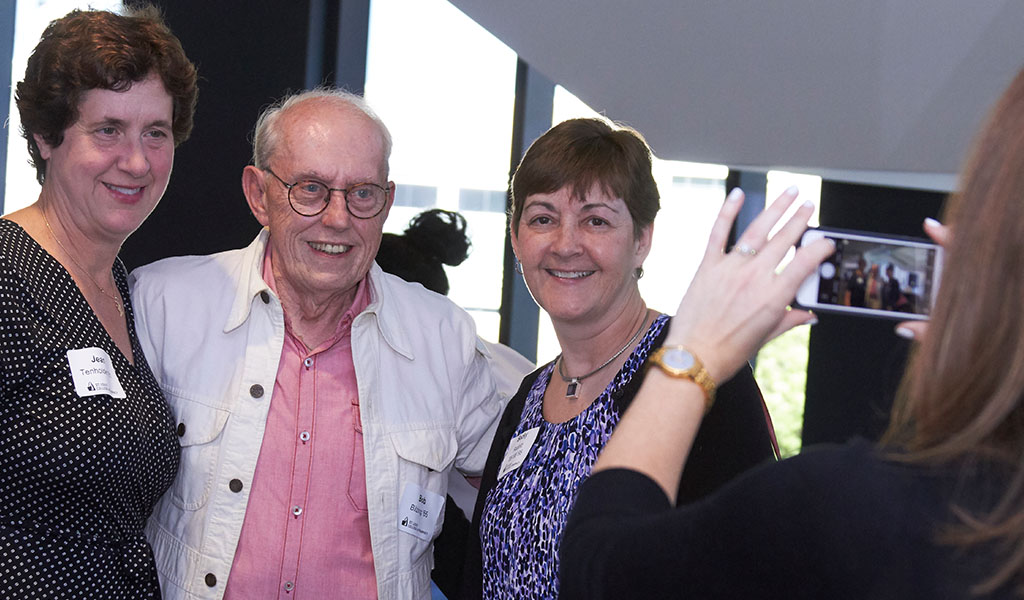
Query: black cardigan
x=835, y=522
x=733, y=437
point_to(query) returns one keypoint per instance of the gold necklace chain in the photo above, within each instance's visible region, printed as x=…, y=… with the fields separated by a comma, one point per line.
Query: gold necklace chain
x=117, y=303
x=572, y=390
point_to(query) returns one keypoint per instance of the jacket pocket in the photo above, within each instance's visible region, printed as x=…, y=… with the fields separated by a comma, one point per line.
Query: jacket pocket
x=431, y=449
x=199, y=427
x=424, y=459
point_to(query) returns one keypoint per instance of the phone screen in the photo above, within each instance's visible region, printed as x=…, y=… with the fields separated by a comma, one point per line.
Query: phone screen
x=877, y=275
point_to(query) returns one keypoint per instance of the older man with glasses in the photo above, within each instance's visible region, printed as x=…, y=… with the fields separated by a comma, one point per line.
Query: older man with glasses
x=320, y=402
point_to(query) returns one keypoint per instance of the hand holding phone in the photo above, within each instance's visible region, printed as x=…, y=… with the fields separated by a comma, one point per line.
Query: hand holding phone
x=874, y=275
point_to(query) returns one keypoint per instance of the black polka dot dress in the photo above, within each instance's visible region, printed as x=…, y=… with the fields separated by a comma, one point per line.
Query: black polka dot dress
x=78, y=475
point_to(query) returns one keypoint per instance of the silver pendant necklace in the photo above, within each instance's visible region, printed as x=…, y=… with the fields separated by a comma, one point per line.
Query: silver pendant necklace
x=575, y=384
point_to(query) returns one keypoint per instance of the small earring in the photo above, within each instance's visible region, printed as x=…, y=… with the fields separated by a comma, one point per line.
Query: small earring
x=518, y=266
x=638, y=273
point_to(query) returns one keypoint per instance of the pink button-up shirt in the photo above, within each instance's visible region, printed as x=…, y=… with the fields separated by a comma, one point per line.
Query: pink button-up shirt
x=306, y=533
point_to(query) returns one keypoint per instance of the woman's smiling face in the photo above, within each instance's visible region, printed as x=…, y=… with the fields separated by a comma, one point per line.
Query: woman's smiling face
x=114, y=163
x=579, y=256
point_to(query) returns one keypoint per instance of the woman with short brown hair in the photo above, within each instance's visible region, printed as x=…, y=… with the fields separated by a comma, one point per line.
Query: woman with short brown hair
x=582, y=220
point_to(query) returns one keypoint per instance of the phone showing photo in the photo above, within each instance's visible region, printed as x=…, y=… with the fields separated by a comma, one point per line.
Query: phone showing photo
x=873, y=275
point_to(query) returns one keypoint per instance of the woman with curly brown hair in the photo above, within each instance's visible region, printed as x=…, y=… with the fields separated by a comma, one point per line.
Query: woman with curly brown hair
x=87, y=441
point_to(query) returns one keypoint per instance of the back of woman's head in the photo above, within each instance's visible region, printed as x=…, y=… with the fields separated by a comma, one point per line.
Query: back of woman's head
x=961, y=401
x=967, y=378
x=434, y=238
x=582, y=153
x=86, y=50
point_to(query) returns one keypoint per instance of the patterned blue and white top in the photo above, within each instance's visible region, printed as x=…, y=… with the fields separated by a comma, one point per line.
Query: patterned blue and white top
x=525, y=512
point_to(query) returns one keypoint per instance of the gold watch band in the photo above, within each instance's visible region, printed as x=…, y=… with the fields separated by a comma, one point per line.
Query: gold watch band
x=680, y=362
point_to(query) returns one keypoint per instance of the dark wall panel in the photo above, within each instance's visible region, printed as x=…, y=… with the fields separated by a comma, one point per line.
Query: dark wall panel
x=248, y=55
x=856, y=363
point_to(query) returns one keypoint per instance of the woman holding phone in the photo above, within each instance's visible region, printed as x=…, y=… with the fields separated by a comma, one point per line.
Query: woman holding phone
x=935, y=511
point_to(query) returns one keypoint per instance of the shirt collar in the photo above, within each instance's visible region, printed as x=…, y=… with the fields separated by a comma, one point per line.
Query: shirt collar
x=359, y=302
x=381, y=287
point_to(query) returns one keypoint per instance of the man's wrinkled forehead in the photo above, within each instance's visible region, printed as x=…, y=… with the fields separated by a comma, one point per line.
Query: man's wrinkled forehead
x=329, y=119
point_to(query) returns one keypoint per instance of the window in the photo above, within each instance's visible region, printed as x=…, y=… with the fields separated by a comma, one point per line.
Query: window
x=483, y=200
x=31, y=18
x=781, y=369
x=445, y=87
x=416, y=196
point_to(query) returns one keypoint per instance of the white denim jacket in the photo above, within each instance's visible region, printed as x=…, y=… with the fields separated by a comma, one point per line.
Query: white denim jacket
x=212, y=331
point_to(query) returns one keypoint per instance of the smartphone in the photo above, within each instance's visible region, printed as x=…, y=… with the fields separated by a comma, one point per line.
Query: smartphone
x=874, y=275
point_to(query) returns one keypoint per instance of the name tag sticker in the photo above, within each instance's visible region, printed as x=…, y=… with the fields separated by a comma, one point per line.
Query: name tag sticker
x=517, y=450
x=93, y=373
x=419, y=511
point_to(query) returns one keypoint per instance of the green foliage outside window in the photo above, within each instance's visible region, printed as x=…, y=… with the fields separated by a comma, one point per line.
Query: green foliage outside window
x=781, y=372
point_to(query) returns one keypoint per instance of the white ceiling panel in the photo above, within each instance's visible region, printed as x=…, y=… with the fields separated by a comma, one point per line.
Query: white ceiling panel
x=815, y=85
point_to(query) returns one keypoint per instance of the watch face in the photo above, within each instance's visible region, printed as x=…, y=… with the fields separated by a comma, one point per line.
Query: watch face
x=678, y=359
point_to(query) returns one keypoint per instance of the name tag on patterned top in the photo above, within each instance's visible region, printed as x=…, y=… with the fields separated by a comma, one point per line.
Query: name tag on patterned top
x=93, y=373
x=517, y=450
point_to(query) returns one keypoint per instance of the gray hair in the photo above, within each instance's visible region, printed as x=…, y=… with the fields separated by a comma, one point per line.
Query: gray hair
x=267, y=134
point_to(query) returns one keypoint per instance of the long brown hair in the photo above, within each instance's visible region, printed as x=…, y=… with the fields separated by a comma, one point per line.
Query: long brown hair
x=961, y=398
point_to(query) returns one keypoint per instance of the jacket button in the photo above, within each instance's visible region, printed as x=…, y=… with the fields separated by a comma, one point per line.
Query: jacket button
x=256, y=391
x=210, y=579
x=235, y=485
x=265, y=297
x=181, y=429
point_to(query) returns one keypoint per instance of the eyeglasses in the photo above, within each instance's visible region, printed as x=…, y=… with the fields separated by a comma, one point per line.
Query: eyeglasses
x=310, y=197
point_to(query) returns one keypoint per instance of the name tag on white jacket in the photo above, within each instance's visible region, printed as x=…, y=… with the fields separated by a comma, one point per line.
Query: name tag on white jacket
x=419, y=511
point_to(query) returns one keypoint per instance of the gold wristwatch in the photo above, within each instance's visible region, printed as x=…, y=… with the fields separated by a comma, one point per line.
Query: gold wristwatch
x=677, y=361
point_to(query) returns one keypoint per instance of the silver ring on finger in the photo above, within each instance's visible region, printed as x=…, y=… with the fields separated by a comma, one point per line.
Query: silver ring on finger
x=744, y=250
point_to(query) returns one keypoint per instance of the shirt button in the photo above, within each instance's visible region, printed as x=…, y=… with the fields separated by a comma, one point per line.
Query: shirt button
x=296, y=510
x=308, y=362
x=265, y=297
x=288, y=586
x=181, y=429
x=256, y=391
x=210, y=579
x=304, y=436
x=235, y=485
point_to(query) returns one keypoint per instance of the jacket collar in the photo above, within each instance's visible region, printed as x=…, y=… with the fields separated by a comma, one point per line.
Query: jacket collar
x=385, y=290
x=248, y=277
x=383, y=303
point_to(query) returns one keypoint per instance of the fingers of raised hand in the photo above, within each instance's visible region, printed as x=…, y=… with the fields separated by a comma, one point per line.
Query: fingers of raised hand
x=756, y=234
x=792, y=318
x=752, y=299
x=805, y=261
x=723, y=224
x=937, y=231
x=912, y=330
x=788, y=235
